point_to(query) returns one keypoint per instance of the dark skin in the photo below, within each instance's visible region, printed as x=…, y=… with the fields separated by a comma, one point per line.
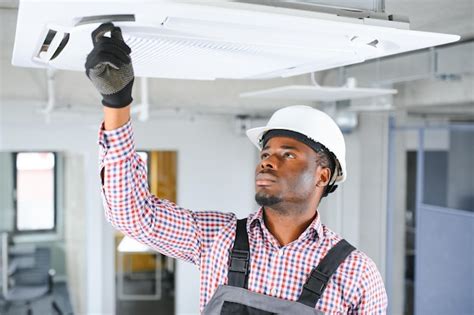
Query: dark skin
x=288, y=172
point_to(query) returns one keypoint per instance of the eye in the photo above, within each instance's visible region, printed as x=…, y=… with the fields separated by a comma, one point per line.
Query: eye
x=264, y=156
x=289, y=155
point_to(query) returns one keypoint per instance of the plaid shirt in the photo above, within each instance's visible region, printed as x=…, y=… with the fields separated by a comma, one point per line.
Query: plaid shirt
x=205, y=238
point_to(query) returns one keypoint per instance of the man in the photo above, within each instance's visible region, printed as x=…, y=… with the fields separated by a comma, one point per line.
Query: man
x=279, y=260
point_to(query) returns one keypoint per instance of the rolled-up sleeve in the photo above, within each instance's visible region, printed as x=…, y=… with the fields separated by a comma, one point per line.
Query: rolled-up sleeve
x=132, y=209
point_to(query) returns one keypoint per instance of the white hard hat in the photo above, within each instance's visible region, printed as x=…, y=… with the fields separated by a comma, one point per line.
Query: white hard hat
x=314, y=124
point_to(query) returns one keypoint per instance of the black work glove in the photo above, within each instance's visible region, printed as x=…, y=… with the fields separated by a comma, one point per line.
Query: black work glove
x=109, y=66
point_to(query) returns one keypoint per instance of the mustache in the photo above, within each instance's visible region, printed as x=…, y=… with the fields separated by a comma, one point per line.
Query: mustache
x=267, y=171
x=266, y=175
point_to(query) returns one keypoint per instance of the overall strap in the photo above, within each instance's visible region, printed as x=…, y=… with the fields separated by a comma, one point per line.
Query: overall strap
x=239, y=257
x=319, y=278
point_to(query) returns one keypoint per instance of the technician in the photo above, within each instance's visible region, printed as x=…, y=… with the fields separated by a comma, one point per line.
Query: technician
x=280, y=259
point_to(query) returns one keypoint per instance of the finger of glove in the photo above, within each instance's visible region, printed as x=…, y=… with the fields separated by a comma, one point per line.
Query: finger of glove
x=116, y=33
x=107, y=48
x=100, y=58
x=114, y=45
x=100, y=31
x=115, y=36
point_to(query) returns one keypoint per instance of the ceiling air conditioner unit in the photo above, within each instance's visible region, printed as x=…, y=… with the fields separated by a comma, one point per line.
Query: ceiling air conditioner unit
x=209, y=39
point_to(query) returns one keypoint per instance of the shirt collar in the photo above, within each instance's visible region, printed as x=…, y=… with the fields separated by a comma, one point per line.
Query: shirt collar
x=314, y=230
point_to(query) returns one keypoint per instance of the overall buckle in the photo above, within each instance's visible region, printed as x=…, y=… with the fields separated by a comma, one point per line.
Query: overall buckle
x=239, y=261
x=317, y=282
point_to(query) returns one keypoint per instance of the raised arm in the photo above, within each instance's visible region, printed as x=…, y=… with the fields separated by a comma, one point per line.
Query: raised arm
x=129, y=205
x=116, y=117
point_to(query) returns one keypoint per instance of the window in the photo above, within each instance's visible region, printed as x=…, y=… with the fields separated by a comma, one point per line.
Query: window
x=35, y=191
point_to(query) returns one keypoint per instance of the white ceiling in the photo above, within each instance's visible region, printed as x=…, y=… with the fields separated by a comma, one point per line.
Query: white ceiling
x=456, y=17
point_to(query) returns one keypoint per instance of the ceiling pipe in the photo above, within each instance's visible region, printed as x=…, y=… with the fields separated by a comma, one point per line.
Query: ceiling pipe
x=351, y=83
x=50, y=74
x=145, y=106
x=51, y=102
x=447, y=62
x=313, y=79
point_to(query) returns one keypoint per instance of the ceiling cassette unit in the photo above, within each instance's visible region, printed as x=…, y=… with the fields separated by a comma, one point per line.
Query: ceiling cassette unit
x=209, y=39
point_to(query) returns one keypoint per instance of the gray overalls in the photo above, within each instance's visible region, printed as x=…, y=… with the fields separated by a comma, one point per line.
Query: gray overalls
x=234, y=298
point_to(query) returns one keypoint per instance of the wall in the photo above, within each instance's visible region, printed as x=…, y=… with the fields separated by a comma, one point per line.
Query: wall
x=373, y=182
x=74, y=227
x=460, y=181
x=6, y=188
x=340, y=210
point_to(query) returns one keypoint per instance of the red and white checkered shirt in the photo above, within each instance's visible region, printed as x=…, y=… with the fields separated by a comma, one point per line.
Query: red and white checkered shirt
x=205, y=238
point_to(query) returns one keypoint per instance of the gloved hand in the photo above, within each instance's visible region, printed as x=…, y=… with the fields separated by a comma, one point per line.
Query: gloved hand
x=109, y=66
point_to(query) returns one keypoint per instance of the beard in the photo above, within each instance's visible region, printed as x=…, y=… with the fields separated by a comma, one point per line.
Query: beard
x=266, y=200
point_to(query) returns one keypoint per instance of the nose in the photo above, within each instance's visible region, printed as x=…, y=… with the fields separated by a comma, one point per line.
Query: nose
x=269, y=163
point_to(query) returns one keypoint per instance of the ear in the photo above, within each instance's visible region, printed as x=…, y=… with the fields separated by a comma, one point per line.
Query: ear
x=323, y=176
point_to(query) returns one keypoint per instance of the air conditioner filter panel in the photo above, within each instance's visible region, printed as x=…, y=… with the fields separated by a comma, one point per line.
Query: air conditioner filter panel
x=207, y=39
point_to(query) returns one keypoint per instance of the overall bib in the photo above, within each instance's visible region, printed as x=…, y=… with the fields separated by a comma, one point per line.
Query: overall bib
x=236, y=299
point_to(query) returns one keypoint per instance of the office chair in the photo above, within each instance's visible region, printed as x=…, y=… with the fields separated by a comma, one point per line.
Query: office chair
x=31, y=284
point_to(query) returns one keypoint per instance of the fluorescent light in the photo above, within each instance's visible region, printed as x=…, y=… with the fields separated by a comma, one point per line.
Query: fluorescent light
x=317, y=93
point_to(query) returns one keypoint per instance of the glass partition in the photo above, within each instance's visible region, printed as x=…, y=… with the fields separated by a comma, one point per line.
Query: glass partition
x=430, y=214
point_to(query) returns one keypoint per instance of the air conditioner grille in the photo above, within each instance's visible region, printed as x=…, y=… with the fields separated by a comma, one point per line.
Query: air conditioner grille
x=144, y=48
